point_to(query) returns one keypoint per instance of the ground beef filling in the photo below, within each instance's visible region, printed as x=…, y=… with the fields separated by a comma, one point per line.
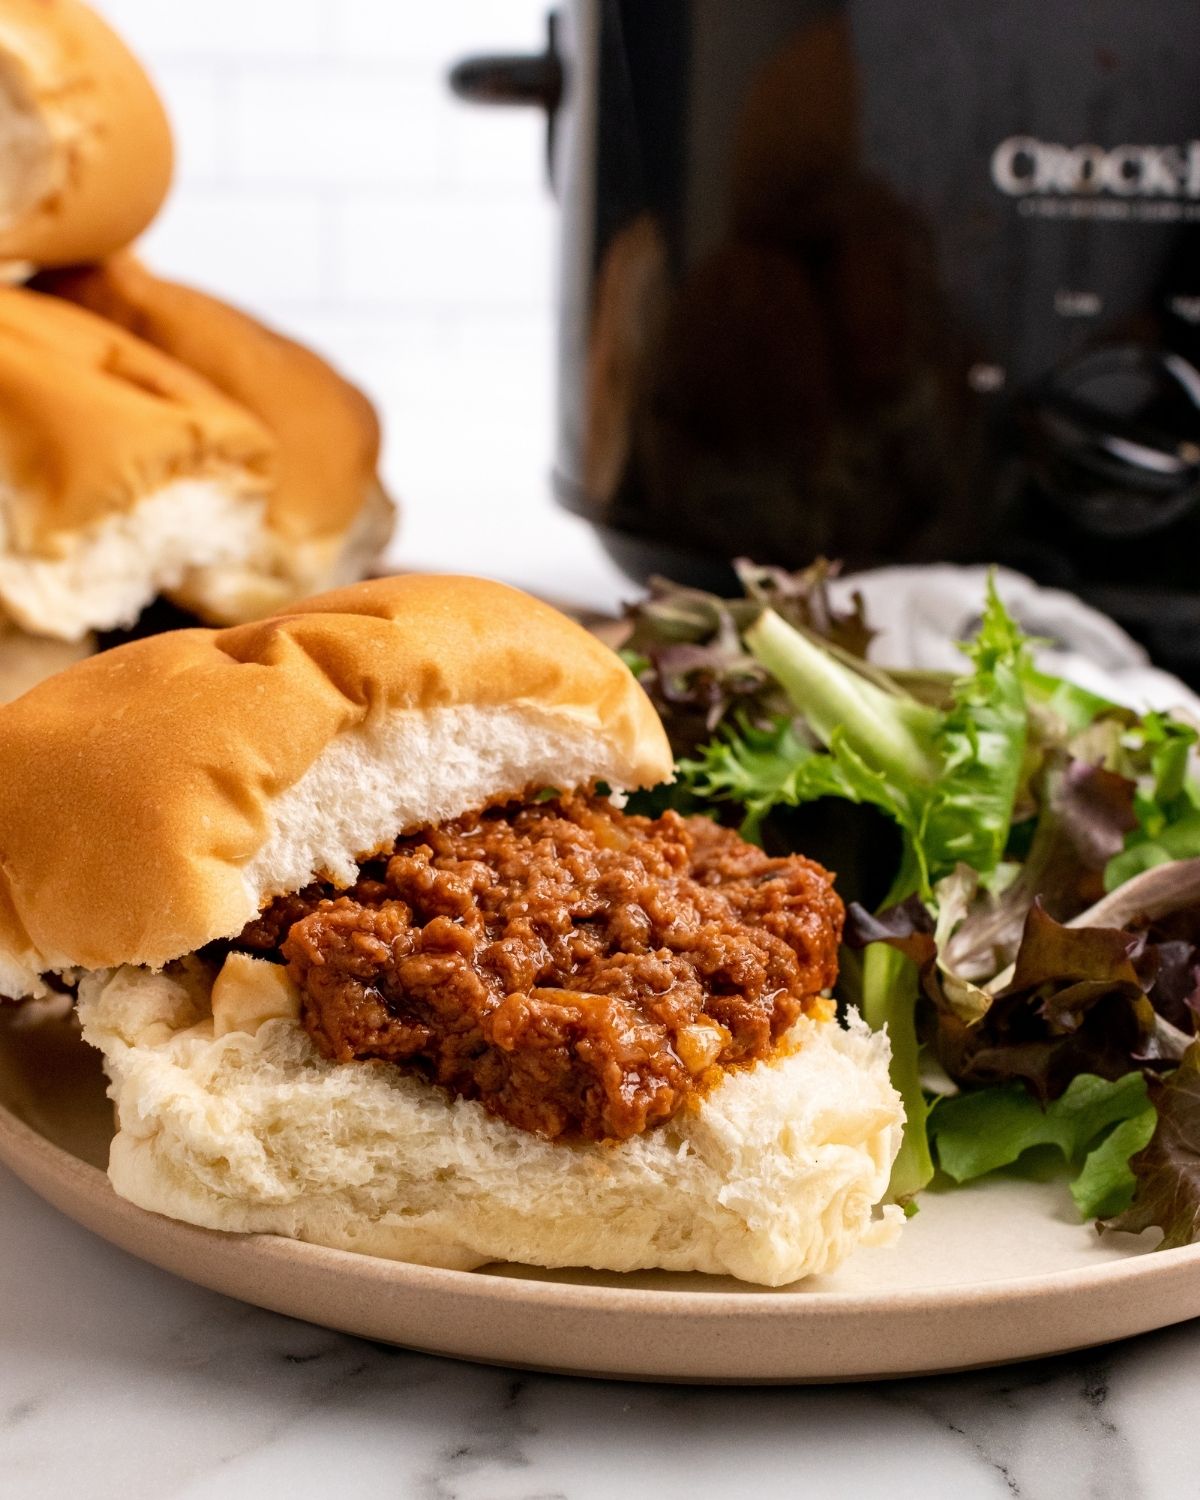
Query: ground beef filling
x=578, y=971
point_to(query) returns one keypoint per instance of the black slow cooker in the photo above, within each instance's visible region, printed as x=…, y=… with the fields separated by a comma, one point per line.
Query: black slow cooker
x=889, y=280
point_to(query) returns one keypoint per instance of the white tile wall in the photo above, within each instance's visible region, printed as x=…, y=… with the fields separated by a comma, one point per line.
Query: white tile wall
x=268, y=247
x=306, y=123
x=328, y=181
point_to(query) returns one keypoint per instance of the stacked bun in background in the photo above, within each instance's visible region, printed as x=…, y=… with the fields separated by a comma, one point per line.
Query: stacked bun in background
x=154, y=442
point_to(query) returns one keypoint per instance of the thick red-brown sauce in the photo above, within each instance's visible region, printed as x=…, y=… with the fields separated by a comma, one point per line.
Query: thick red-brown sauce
x=577, y=970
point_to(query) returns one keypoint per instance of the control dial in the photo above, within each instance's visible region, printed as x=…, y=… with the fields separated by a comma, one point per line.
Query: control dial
x=1114, y=439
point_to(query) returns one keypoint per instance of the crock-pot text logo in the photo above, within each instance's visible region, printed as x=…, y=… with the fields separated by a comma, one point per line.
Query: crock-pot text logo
x=1022, y=165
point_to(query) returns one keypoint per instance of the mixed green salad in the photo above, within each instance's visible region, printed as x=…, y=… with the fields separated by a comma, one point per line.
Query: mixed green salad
x=1021, y=864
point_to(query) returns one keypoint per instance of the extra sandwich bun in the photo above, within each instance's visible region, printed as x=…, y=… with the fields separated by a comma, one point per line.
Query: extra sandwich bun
x=120, y=470
x=158, y=795
x=327, y=517
x=86, y=158
x=773, y=1176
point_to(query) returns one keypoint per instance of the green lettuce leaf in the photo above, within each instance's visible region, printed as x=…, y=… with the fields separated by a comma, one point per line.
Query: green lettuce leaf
x=1084, y=813
x=1181, y=840
x=1096, y=1126
x=1072, y=708
x=980, y=752
x=1156, y=756
x=949, y=778
x=1106, y=1183
x=761, y=769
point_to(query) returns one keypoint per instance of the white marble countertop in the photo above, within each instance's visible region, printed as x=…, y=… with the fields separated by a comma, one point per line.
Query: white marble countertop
x=119, y=1382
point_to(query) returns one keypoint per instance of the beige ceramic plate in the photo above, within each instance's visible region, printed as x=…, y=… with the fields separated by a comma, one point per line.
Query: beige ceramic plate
x=980, y=1276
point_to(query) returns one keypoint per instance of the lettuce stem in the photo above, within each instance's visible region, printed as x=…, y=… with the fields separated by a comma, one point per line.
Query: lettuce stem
x=891, y=732
x=895, y=735
x=889, y=998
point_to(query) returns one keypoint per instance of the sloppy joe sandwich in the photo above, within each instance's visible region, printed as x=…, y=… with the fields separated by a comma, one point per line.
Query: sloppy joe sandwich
x=376, y=959
x=86, y=157
x=327, y=517
x=121, y=471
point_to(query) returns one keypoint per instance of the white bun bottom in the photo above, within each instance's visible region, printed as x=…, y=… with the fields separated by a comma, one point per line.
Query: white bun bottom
x=774, y=1176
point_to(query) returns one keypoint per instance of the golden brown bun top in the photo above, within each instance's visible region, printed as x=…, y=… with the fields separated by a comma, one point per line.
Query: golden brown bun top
x=139, y=784
x=92, y=420
x=327, y=430
x=109, y=158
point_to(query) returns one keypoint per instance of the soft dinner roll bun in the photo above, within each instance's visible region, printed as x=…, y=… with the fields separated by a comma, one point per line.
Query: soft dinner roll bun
x=85, y=148
x=120, y=470
x=158, y=795
x=773, y=1176
x=327, y=518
